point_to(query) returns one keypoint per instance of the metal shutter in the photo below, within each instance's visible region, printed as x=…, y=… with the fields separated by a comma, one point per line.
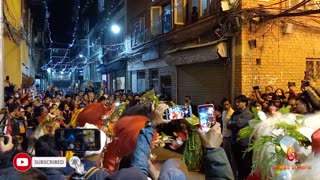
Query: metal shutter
x=203, y=82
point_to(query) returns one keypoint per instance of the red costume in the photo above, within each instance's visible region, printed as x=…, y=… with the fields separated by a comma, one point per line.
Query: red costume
x=93, y=114
x=126, y=131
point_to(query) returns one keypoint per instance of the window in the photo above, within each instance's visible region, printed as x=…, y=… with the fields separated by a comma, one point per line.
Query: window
x=138, y=31
x=204, y=4
x=166, y=18
x=154, y=79
x=156, y=12
x=163, y=17
x=141, y=81
x=100, y=6
x=180, y=12
x=312, y=69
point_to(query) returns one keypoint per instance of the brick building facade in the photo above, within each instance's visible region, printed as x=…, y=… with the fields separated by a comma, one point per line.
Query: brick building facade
x=284, y=51
x=210, y=58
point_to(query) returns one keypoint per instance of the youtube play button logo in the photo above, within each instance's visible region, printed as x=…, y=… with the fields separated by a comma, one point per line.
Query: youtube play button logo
x=22, y=162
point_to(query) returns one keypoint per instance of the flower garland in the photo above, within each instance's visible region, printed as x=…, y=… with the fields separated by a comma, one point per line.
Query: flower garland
x=276, y=142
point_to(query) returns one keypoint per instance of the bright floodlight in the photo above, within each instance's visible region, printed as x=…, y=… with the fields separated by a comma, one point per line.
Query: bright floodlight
x=81, y=55
x=115, y=29
x=49, y=70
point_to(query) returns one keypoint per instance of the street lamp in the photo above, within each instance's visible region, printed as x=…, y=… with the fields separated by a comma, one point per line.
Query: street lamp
x=115, y=29
x=81, y=55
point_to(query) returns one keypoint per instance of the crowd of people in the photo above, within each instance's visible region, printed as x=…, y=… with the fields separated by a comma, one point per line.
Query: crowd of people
x=223, y=155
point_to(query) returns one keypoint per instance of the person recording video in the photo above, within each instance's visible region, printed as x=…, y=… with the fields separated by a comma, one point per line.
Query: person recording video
x=311, y=94
x=91, y=159
x=7, y=169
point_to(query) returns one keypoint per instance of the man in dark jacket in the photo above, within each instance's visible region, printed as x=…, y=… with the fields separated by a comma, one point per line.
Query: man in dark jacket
x=11, y=122
x=312, y=97
x=239, y=120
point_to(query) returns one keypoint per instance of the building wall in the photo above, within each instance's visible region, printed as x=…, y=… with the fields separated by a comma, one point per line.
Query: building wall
x=283, y=56
x=15, y=54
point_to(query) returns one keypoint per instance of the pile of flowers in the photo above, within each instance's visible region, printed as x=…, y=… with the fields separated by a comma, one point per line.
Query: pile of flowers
x=281, y=143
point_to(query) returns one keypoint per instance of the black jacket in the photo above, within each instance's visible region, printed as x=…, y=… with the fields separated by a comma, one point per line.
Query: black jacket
x=54, y=173
x=239, y=120
x=217, y=165
x=312, y=100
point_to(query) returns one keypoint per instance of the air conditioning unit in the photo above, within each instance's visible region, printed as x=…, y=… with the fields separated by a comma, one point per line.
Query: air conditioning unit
x=225, y=5
x=287, y=28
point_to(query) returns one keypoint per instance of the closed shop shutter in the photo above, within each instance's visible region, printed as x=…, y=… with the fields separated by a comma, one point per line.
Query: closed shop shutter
x=203, y=82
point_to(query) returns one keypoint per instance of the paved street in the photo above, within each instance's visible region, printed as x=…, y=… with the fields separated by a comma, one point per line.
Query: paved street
x=164, y=154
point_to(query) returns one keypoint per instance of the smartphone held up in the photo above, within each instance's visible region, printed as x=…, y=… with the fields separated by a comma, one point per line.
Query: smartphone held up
x=78, y=139
x=206, y=116
x=178, y=112
x=4, y=139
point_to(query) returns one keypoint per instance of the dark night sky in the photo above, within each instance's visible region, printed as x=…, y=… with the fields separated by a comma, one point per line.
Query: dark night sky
x=61, y=22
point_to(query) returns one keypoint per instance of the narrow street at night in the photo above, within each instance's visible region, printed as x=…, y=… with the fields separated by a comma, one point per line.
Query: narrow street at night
x=159, y=89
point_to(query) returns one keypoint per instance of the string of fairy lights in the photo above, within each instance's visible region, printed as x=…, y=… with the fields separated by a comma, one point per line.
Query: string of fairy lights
x=76, y=9
x=108, y=48
x=49, y=34
x=94, y=42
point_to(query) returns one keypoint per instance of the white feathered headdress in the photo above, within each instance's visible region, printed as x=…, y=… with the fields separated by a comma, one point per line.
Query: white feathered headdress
x=281, y=145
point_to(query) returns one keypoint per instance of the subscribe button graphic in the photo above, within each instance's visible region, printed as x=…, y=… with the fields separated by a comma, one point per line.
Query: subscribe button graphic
x=22, y=162
x=49, y=162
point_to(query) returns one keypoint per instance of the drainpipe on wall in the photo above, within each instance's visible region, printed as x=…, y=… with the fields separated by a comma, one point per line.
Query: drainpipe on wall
x=233, y=68
x=2, y=72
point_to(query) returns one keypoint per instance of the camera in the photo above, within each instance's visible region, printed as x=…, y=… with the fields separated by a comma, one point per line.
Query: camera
x=178, y=112
x=290, y=84
x=255, y=88
x=206, y=117
x=305, y=83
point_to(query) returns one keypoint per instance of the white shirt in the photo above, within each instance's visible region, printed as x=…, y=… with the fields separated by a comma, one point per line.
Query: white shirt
x=226, y=115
